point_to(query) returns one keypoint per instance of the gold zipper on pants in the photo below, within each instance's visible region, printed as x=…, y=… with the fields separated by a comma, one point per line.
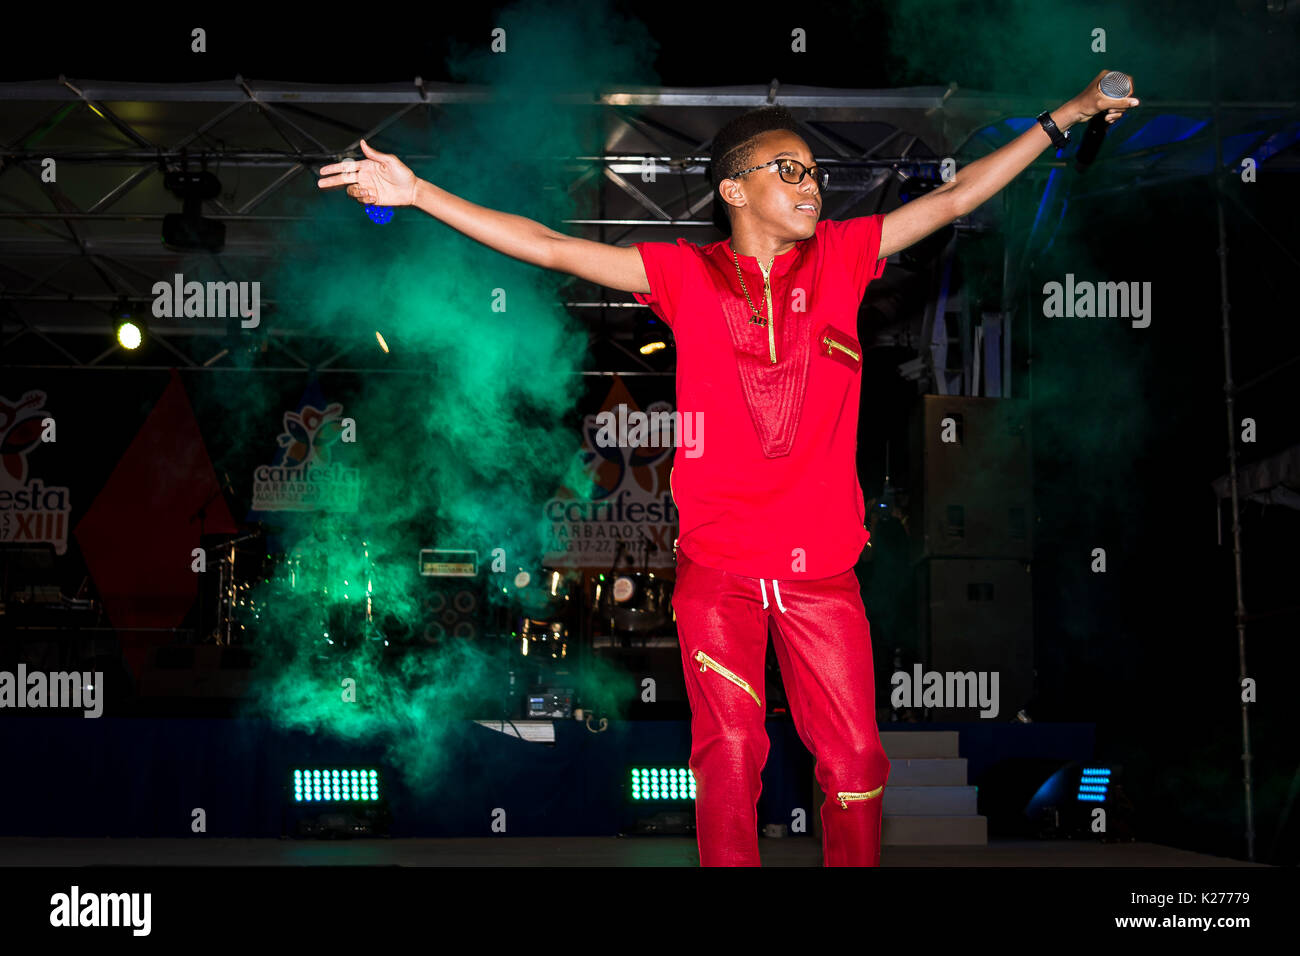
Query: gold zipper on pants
x=830, y=343
x=844, y=796
x=705, y=662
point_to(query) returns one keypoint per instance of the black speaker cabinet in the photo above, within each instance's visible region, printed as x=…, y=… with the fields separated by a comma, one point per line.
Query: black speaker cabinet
x=977, y=616
x=971, y=489
x=456, y=608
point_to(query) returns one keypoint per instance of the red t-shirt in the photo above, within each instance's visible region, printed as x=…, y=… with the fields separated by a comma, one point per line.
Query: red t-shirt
x=773, y=490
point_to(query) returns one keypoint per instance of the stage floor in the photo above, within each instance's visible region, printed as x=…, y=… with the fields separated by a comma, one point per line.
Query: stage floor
x=564, y=851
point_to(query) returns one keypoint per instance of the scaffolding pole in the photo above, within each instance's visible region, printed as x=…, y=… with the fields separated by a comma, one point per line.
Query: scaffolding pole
x=1230, y=406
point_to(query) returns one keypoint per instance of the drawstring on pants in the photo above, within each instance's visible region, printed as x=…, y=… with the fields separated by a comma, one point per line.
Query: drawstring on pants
x=775, y=590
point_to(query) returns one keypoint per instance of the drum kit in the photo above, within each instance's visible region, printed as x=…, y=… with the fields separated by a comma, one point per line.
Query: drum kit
x=632, y=604
x=542, y=611
x=548, y=608
x=537, y=621
x=321, y=589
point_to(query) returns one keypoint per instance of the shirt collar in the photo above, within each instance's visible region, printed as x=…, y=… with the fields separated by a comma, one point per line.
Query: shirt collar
x=781, y=264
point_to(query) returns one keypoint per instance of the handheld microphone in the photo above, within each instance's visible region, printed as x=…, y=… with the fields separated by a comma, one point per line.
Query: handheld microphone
x=1115, y=85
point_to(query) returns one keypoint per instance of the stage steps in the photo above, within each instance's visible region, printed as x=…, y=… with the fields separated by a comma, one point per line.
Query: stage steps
x=927, y=799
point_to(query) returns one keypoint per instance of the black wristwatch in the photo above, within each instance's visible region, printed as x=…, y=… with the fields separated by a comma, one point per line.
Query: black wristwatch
x=1059, y=136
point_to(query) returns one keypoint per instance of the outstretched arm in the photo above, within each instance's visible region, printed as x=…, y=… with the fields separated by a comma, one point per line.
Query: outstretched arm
x=384, y=180
x=985, y=177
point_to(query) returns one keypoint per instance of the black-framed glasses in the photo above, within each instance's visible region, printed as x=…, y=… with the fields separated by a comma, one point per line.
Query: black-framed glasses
x=792, y=171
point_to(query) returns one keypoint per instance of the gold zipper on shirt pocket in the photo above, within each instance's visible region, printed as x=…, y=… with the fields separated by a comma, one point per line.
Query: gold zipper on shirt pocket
x=705, y=662
x=844, y=796
x=830, y=343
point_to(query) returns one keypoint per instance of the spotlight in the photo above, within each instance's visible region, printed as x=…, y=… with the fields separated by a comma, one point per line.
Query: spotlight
x=651, y=337
x=128, y=331
x=188, y=230
x=128, y=335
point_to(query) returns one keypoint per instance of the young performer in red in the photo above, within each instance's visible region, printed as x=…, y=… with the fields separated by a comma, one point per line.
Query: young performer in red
x=772, y=515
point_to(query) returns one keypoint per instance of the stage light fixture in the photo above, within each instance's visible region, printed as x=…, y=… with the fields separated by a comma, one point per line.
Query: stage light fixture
x=659, y=800
x=128, y=335
x=661, y=784
x=335, y=785
x=335, y=802
x=126, y=328
x=1066, y=805
x=189, y=230
x=1094, y=782
x=651, y=337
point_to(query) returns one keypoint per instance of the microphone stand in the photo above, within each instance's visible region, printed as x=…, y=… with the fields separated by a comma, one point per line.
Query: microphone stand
x=649, y=546
x=202, y=515
x=607, y=598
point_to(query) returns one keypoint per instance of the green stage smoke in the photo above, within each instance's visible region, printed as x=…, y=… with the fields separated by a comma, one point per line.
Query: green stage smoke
x=463, y=451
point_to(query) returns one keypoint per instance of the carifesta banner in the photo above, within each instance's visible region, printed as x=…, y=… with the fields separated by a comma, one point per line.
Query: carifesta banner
x=31, y=511
x=628, y=452
x=303, y=475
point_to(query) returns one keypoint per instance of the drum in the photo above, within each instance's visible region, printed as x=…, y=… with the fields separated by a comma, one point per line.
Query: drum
x=543, y=640
x=541, y=609
x=637, y=602
x=545, y=594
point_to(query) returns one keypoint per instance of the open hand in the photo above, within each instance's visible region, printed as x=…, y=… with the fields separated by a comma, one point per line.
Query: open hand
x=1092, y=101
x=381, y=179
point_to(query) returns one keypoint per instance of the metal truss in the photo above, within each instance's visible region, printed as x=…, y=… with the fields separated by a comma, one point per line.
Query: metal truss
x=71, y=248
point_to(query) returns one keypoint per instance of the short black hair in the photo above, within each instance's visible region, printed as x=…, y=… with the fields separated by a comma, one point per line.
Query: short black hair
x=733, y=150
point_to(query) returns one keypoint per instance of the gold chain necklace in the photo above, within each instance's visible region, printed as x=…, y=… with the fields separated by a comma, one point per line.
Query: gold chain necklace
x=754, y=317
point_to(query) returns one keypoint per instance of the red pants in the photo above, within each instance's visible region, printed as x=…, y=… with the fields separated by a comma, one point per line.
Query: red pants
x=823, y=644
